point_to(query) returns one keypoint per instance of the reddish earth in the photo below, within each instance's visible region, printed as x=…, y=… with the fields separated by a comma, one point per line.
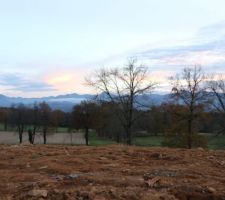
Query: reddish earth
x=110, y=172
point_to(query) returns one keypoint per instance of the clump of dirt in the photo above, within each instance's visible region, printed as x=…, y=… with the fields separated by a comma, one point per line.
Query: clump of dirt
x=59, y=172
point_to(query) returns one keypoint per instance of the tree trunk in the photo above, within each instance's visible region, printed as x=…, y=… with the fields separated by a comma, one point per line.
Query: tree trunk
x=45, y=135
x=128, y=135
x=130, y=116
x=86, y=135
x=20, y=133
x=71, y=138
x=189, y=137
x=45, y=140
x=5, y=125
x=33, y=134
x=21, y=137
x=30, y=136
x=129, y=124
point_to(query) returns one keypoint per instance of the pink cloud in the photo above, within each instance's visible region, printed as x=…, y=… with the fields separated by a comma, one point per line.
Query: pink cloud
x=191, y=58
x=68, y=81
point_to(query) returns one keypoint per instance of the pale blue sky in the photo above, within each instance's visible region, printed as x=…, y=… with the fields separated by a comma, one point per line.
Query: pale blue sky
x=47, y=46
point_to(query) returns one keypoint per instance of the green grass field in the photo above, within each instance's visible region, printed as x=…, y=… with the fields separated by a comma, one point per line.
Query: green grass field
x=156, y=141
x=151, y=141
x=217, y=142
x=95, y=140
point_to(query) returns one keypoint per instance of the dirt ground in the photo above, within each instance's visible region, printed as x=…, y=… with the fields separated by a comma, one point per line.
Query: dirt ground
x=111, y=172
x=7, y=137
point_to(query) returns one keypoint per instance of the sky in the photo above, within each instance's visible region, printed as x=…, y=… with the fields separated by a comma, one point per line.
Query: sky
x=48, y=47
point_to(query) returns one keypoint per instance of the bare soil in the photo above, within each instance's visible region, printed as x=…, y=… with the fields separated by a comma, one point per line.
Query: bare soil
x=111, y=172
x=7, y=137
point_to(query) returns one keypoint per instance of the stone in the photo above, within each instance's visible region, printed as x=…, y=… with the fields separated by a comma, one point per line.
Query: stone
x=211, y=189
x=43, y=167
x=72, y=176
x=38, y=193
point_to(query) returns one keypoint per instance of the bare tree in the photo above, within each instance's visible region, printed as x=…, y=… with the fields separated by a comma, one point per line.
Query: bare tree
x=123, y=86
x=45, y=116
x=188, y=89
x=19, y=119
x=34, y=121
x=217, y=87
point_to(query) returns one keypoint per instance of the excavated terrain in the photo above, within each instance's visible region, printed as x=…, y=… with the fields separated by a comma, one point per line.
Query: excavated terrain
x=111, y=172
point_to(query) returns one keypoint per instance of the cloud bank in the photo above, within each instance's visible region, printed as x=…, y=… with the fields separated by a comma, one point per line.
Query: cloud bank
x=18, y=83
x=207, y=48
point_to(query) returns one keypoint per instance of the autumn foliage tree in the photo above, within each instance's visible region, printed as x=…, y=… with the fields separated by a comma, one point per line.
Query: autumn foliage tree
x=107, y=123
x=5, y=114
x=217, y=87
x=45, y=119
x=188, y=89
x=84, y=116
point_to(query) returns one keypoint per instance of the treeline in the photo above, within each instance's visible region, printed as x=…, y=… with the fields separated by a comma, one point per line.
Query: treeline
x=30, y=120
x=167, y=119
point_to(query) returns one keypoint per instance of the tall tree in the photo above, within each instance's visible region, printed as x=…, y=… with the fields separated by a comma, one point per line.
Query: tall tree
x=123, y=86
x=217, y=87
x=34, y=122
x=84, y=116
x=45, y=119
x=188, y=89
x=57, y=118
x=4, y=117
x=19, y=119
x=107, y=123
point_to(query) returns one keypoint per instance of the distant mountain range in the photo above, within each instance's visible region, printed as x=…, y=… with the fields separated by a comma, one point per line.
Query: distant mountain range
x=67, y=101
